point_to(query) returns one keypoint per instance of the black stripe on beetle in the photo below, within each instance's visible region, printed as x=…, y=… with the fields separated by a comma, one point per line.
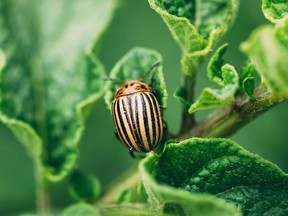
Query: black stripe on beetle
x=137, y=116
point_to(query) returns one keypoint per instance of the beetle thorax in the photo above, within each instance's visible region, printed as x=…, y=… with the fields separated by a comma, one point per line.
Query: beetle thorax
x=132, y=87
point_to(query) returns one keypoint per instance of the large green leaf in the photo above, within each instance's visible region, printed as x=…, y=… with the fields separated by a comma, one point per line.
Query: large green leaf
x=223, y=169
x=168, y=199
x=132, y=67
x=49, y=83
x=275, y=10
x=267, y=48
x=196, y=25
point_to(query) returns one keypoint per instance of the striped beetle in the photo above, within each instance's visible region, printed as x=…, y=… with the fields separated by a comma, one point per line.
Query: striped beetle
x=137, y=115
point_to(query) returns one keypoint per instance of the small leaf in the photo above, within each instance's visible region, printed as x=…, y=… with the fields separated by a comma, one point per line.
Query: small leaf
x=275, y=10
x=180, y=94
x=212, y=98
x=248, y=86
x=167, y=199
x=215, y=64
x=84, y=187
x=131, y=67
x=247, y=80
x=223, y=169
x=224, y=76
x=81, y=209
x=125, y=196
x=267, y=49
x=49, y=84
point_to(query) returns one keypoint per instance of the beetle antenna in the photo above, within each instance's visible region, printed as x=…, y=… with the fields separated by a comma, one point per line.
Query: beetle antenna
x=113, y=80
x=149, y=70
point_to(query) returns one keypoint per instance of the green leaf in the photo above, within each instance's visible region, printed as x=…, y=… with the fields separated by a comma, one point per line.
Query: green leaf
x=167, y=199
x=212, y=98
x=196, y=26
x=84, y=187
x=49, y=84
x=275, y=10
x=192, y=22
x=81, y=209
x=132, y=67
x=247, y=80
x=248, y=86
x=181, y=94
x=223, y=169
x=215, y=64
x=125, y=196
x=267, y=49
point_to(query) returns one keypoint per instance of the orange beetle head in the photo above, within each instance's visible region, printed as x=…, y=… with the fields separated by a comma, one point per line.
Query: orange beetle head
x=132, y=87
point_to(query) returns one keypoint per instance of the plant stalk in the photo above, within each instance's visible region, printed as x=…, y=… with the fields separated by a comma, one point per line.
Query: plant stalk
x=190, y=71
x=225, y=122
x=43, y=192
x=188, y=120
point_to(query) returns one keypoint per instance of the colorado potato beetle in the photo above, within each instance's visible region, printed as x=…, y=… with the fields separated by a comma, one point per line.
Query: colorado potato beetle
x=137, y=115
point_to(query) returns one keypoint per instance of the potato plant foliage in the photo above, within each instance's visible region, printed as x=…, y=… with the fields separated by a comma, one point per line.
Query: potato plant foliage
x=50, y=78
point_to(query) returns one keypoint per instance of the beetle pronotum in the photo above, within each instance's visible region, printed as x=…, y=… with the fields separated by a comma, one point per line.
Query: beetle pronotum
x=137, y=115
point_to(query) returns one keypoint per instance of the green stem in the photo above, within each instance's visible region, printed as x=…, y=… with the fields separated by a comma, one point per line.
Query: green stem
x=225, y=122
x=189, y=70
x=43, y=192
x=188, y=120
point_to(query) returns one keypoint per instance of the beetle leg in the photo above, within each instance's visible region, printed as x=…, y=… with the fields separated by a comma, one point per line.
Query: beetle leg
x=152, y=80
x=117, y=136
x=132, y=152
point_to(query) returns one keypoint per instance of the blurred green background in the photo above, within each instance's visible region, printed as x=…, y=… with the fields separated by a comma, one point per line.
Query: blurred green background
x=135, y=24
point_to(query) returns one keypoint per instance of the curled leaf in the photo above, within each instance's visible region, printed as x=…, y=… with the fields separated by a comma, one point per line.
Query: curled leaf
x=215, y=64
x=224, y=76
x=181, y=94
x=247, y=80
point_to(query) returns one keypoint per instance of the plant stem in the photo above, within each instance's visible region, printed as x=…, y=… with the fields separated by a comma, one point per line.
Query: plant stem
x=225, y=122
x=188, y=120
x=43, y=192
x=189, y=70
